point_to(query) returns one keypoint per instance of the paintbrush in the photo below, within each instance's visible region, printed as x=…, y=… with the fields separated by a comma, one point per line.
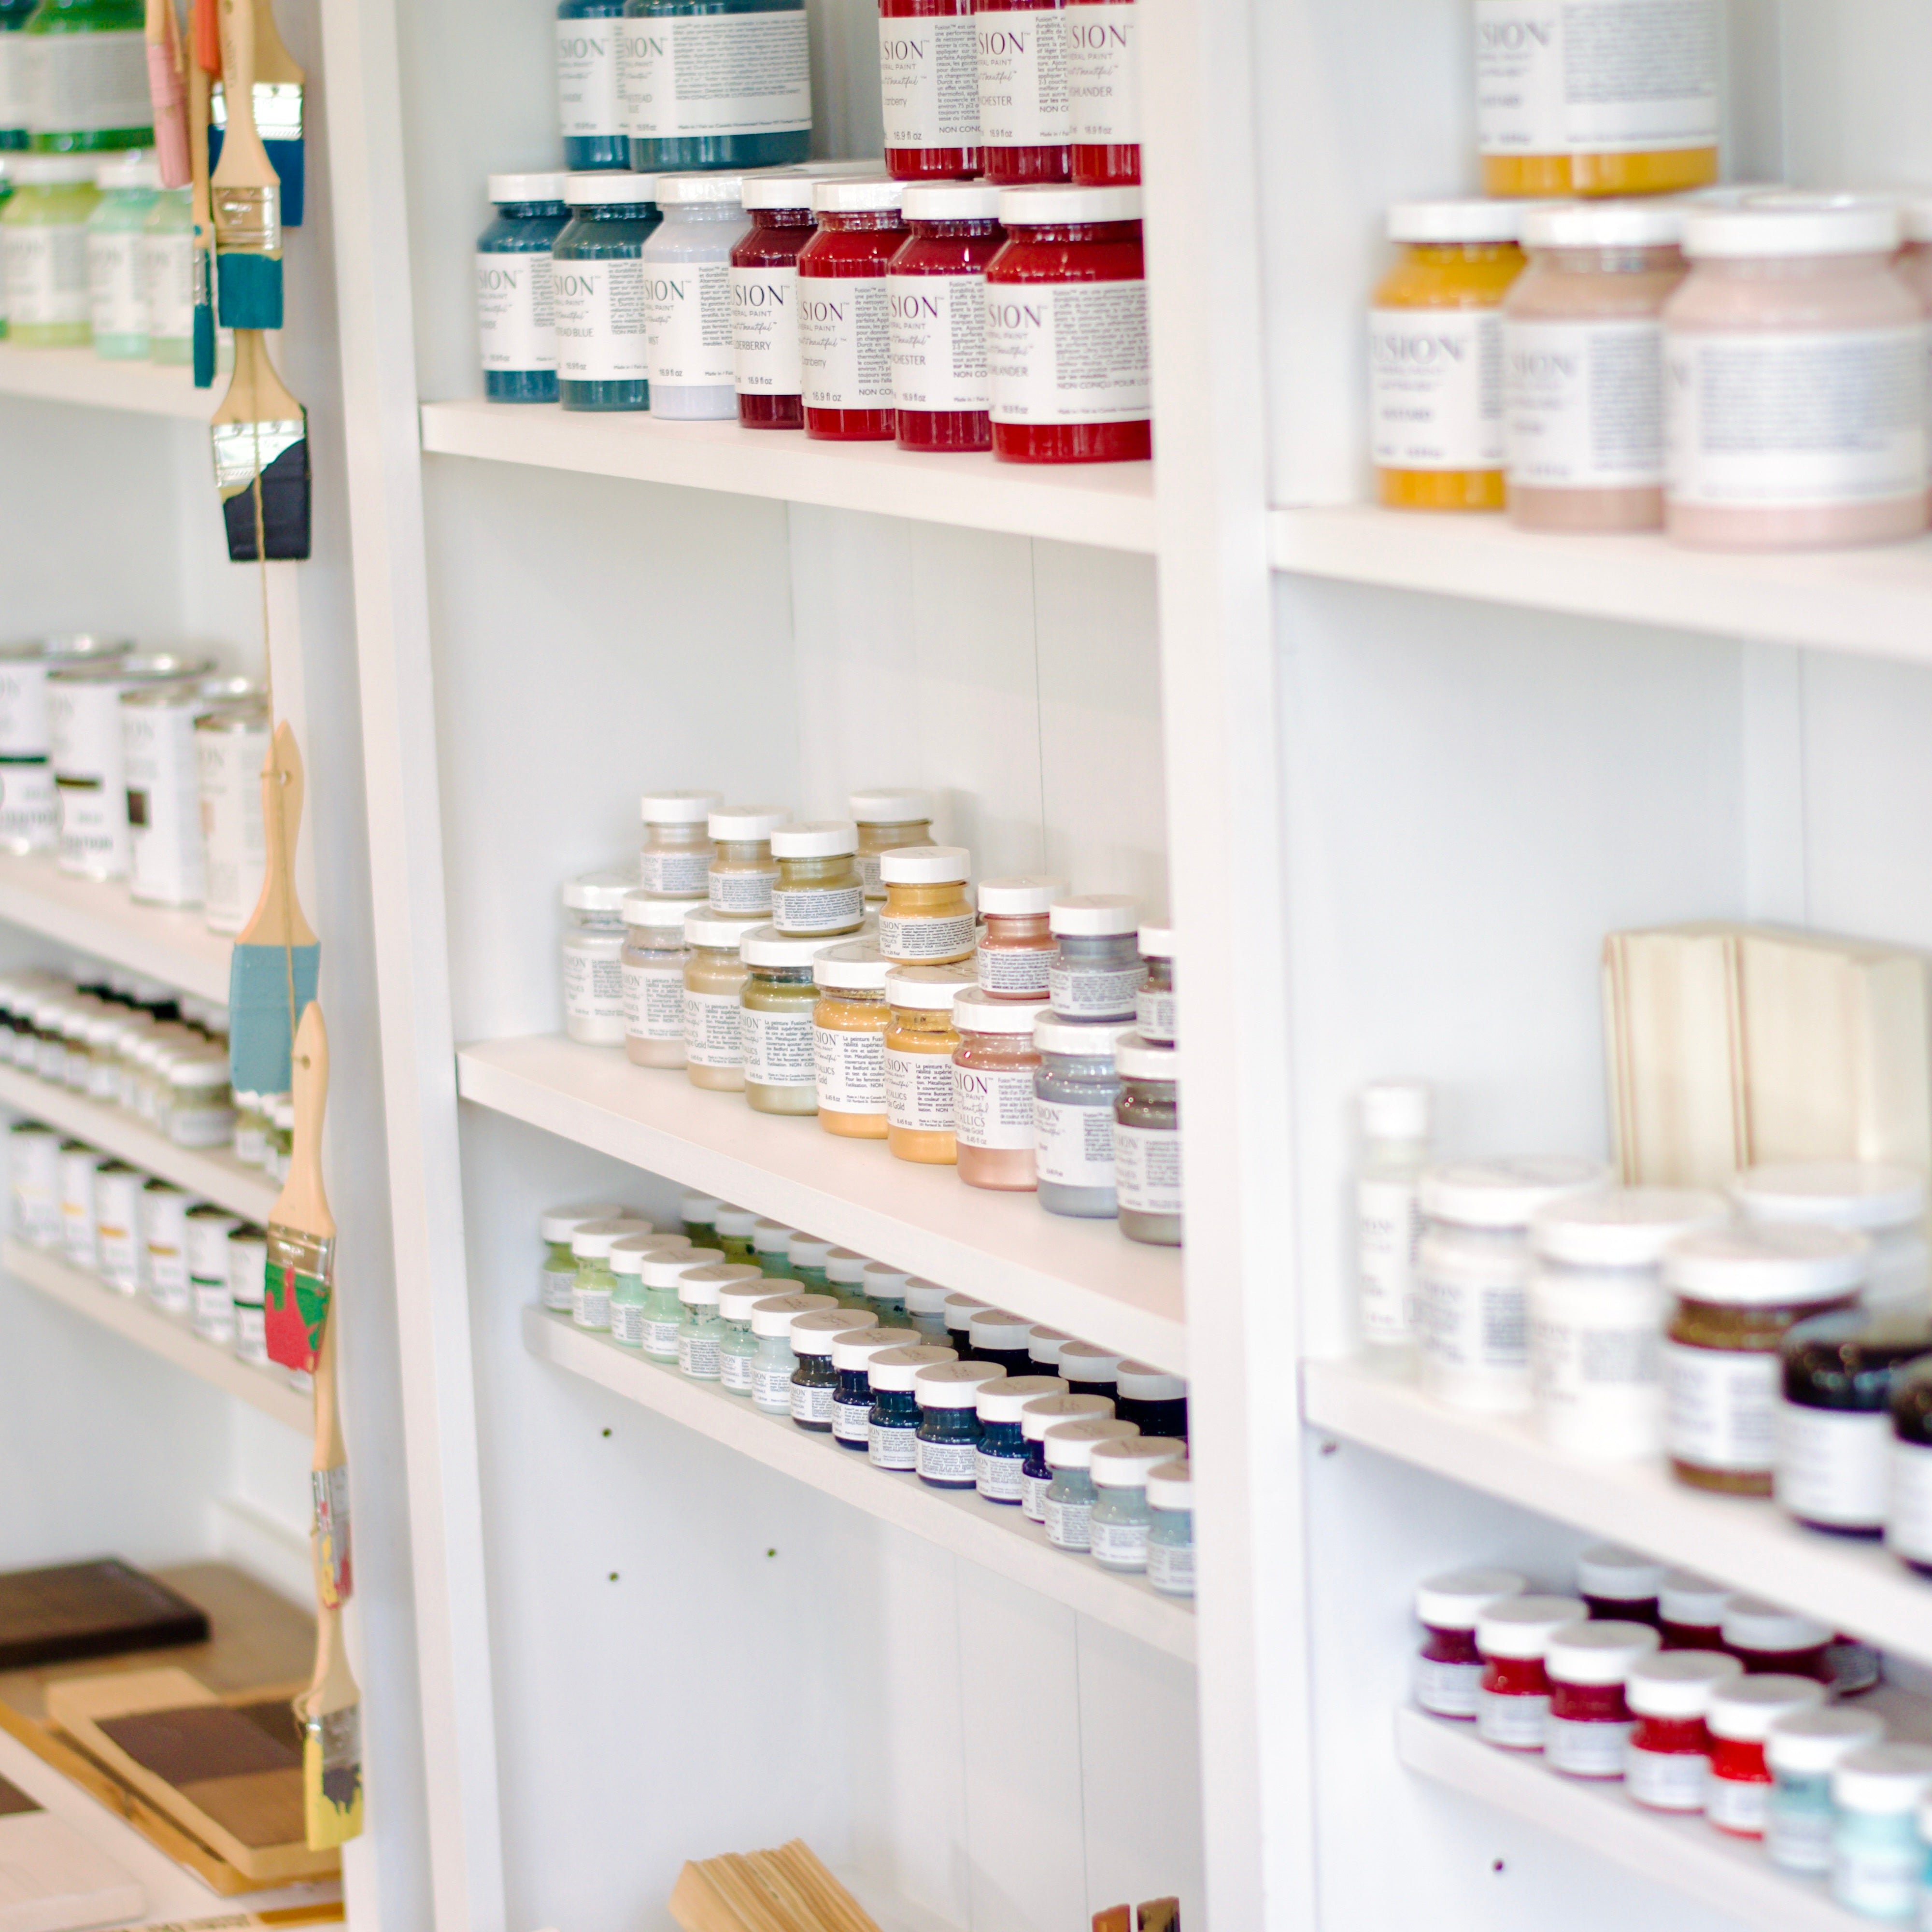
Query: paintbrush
x=260, y=434
x=277, y=946
x=279, y=95
x=162, y=33
x=202, y=59
x=247, y=193
x=302, y=1232
x=331, y=1710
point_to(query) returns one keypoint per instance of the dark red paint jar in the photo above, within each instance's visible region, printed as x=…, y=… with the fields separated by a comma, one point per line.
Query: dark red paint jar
x=1103, y=92
x=929, y=89
x=764, y=302
x=845, y=329
x=936, y=291
x=1026, y=132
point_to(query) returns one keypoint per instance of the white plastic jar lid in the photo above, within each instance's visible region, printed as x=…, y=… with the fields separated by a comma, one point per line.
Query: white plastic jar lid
x=1653, y=224
x=1077, y=1040
x=766, y=946
x=640, y=909
x=1693, y=1602
x=1833, y=1193
x=815, y=838
x=1136, y=1058
x=559, y=1224
x=1394, y=1110
x=1083, y=1362
x=1523, y=1626
x=1625, y=1228
x=1679, y=1683
x=1171, y=1486
x=1770, y=1266
x=1603, y=1652
x=926, y=989
x=926, y=865
x=1049, y=1411
x=591, y=1240
x=740, y=1223
x=867, y=195
x=704, y=1287
x=1815, y=1741
x=1138, y=1382
x=1094, y=915
x=882, y=1281
x=1888, y=1779
x=1455, y=220
x=950, y=201
x=1619, y=1576
x=959, y=1310
x=1045, y=1344
x=1787, y=223
x=745, y=822
x=1744, y=1708
x=742, y=1293
x=135, y=168
x=680, y=191
x=926, y=1297
x=599, y=892
x=1505, y=1193
x=1023, y=896
x=781, y=188
x=854, y=1348
x=628, y=1256
x=1157, y=942
x=680, y=808
x=1006, y=1400
x=808, y=1251
x=845, y=1267
x=597, y=189
x=955, y=1385
x=1070, y=1445
x=812, y=1333
x=1126, y=1461
x=895, y=1369
x=976, y=1011
x=527, y=187
x=998, y=1329
x=771, y=1237
x=857, y=966
x=666, y=1267
x=882, y=805
x=1769, y=1629
x=774, y=1314
x=715, y=930
x=1045, y=204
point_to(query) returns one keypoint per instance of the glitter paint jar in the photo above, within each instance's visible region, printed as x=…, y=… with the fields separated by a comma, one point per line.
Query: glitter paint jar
x=1036, y=1417
x=652, y=967
x=776, y=1019
x=1802, y=1751
x=891, y=1429
x=1513, y=1636
x=1147, y=1141
x=1001, y=1450
x=844, y=330
x=1074, y=1090
x=1884, y=1203
x=674, y=861
x=852, y=1352
x=849, y=1021
x=928, y=919
x=936, y=300
x=920, y=1045
x=888, y=821
x=1096, y=970
x=1590, y=1722
x=993, y=1068
x=1742, y=1714
x=516, y=295
x=1069, y=1501
x=1016, y=948
x=1116, y=1530
x=714, y=985
x=740, y=879
x=1668, y=1764
x=817, y=893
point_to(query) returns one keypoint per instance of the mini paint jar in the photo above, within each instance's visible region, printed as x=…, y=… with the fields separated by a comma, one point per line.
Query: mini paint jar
x=597, y=281
x=1667, y=1766
x=996, y=1336
x=167, y=242
x=247, y=1264
x=1740, y=1718
x=735, y=1227
x=731, y=89
x=1802, y=1751
x=1154, y=1002
x=891, y=1429
x=674, y=861
x=814, y=1379
x=1016, y=949
x=33, y=1168
x=687, y=297
x=1590, y=1721
x=1155, y=1402
x=714, y=985
x=164, y=1211
x=651, y=968
x=849, y=1021
x=698, y=1217
x=936, y=301
x=845, y=1277
x=883, y=1288
x=116, y=287
x=1091, y=1371
x=818, y=892
x=117, y=1188
x=1620, y=1584
x=78, y=1165
x=208, y=1228
x=740, y=879
x=1690, y=1611
x=696, y=1328
x=1884, y=1203
x=658, y=1314
x=1095, y=969
x=593, y=946
x=1001, y=1450
x=1116, y=1530
x=805, y=1258
x=924, y=1303
x=1447, y=1672
x=920, y=1045
x=888, y=821
x=957, y=1312
x=845, y=327
x=775, y=1365
x=700, y=1333
x=1025, y=121
x=1042, y=1413
x=516, y=318
x=928, y=919
x=771, y=1248
x=1074, y=1090
x=1103, y=92
x=1877, y=1859
x=993, y=1068
x=1769, y=1640
x=43, y=250
x=1043, y=1347
x=776, y=1006
x=1147, y=1141
x=590, y=1245
x=946, y=1445
x=1170, y=1550
x=1068, y=1504
x=1908, y=1523
x=737, y=1346
x=1513, y=1636
x=198, y=1111
x=586, y=84
x=764, y=302
x=852, y=1352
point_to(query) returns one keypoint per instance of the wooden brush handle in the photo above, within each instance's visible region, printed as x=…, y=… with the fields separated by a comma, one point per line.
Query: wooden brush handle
x=278, y=919
x=303, y=1203
x=244, y=159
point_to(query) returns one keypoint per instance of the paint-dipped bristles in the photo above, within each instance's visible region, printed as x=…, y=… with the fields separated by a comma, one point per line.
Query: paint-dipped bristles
x=260, y=436
x=280, y=90
x=300, y=1272
x=166, y=94
x=247, y=191
x=331, y=1715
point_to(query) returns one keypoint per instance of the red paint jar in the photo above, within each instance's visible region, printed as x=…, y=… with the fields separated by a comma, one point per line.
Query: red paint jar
x=1590, y=1722
x=1740, y=1716
x=764, y=301
x=1448, y=1673
x=1026, y=133
x=929, y=88
x=1066, y=342
x=1513, y=1636
x=1619, y=1583
x=1103, y=92
x=844, y=331
x=1690, y=1612
x=1768, y=1640
x=936, y=295
x=1667, y=1765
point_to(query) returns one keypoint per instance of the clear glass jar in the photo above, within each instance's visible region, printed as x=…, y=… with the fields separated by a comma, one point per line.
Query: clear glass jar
x=945, y=1446
x=1068, y=1448
x=1074, y=1090
x=848, y=1039
x=199, y=1112
x=814, y=1379
x=1096, y=970
x=714, y=986
x=593, y=946
x=1001, y=1454
x=993, y=1068
x=852, y=1352
x=771, y=1248
x=928, y=919
x=737, y=1346
x=1116, y=1530
x=775, y=1364
x=1147, y=1141
x=117, y=284
x=743, y=871
x=1015, y=949
x=891, y=1429
x=887, y=820
x=1877, y=1859
x=590, y=1244
x=1042, y=1413
x=920, y=1044
x=700, y=1333
x=1170, y=1545
x=818, y=892
x=652, y=967
x=777, y=1001
x=1802, y=1751
x=558, y=1269
x=629, y=1297
x=674, y=861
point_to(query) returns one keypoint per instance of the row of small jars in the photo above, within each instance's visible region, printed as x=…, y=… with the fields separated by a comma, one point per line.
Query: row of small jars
x=1700, y=1702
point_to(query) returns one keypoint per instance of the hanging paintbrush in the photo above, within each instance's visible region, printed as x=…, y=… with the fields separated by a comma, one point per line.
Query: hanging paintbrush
x=301, y=1234
x=166, y=94
x=203, y=60
x=331, y=1714
x=260, y=435
x=279, y=96
x=247, y=194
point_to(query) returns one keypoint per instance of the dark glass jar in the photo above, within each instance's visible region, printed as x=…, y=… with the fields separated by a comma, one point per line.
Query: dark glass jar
x=814, y=1381
x=13, y=15
x=948, y=1441
x=852, y=1398
x=1155, y=1402
x=515, y=295
x=844, y=321
x=1908, y=1529
x=936, y=291
x=1448, y=1669
x=1005, y=1340
x=1036, y=1419
x=764, y=302
x=928, y=88
x=598, y=275
x=891, y=1438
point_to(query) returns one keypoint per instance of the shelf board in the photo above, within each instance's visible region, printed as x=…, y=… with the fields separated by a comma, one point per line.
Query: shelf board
x=79, y=376
x=1853, y=1584
x=1877, y=601
x=1083, y=1276
x=1108, y=505
x=137, y=1318
x=101, y=919
x=996, y=1538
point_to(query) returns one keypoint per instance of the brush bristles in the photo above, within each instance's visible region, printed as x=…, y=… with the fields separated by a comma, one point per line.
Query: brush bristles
x=248, y=291
x=332, y=1776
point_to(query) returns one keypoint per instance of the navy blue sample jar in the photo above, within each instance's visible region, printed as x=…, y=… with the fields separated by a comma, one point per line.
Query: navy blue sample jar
x=891, y=1429
x=589, y=108
x=948, y=1442
x=1091, y=1371
x=852, y=1353
x=715, y=83
x=994, y=1336
x=1002, y=1450
x=516, y=325
x=1155, y=1402
x=1038, y=1416
x=598, y=280
x=957, y=1313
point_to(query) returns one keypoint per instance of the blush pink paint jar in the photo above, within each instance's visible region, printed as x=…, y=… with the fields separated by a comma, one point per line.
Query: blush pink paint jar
x=1795, y=359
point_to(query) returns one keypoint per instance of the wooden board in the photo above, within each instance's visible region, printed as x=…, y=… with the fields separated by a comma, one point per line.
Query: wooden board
x=106, y=1608
x=51, y=1878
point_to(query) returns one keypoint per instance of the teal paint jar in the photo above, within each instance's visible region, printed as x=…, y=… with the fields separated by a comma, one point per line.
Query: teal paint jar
x=1801, y=1751
x=891, y=1429
x=588, y=107
x=1116, y=1530
x=1002, y=1447
x=1876, y=1858
x=882, y=1289
x=598, y=291
x=1170, y=1544
x=737, y=1346
x=117, y=279
x=1068, y=1505
x=946, y=1445
x=85, y=76
x=852, y=1352
x=516, y=320
x=815, y=1381
x=715, y=83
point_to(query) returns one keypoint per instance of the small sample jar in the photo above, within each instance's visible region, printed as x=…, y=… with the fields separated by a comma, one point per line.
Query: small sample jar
x=43, y=250
x=1738, y=1294
x=1621, y=1584
x=167, y=241
x=735, y=1227
x=1690, y=1612
x=720, y=1283
x=597, y=284
x=737, y=1346
x=714, y=986
x=1170, y=1546
x=844, y=331
x=928, y=919
x=1908, y=1523
x=1154, y=1401
x=1596, y=1309
x=656, y=1314
x=920, y=1043
x=1147, y=1141
x=1583, y=366
x=764, y=302
x=884, y=1289
x=117, y=1226
x=715, y=86
x=1435, y=355
x=1025, y=120
x=805, y=1258
x=593, y=946
x=1796, y=416
x=651, y=966
x=1066, y=337
x=1074, y=1090
x=117, y=288
x=516, y=318
x=1770, y=1641
x=814, y=1379
x=1036, y=1417
x=891, y=1429
x=936, y=301
x=1103, y=92
x=1740, y=1717
x=817, y=893
x=852, y=1352
x=771, y=1248
x=33, y=1174
x=743, y=871
x=844, y=1276
x=925, y=1303
x=1068, y=1504
x=1667, y=1766
x=1878, y=1860
x=775, y=1364
x=1590, y=1722
x=1091, y=1370
x=1884, y=1203
x=701, y=1333
x=945, y=1446
x=957, y=1312
x=928, y=94
x=212, y=1313
x=590, y=1245
x=1016, y=948
x=1116, y=1530
x=998, y=1335
x=1474, y=1266
x=687, y=297
x=1802, y=1751
x=775, y=1021
x=698, y=1217
x=1154, y=1001
x=1000, y=1452
x=674, y=861
x=993, y=1068
x=247, y=1262
x=199, y=1112
x=1512, y=1636
x=1044, y=1345
x=1096, y=970
x=164, y=1210
x=848, y=1038
x=887, y=822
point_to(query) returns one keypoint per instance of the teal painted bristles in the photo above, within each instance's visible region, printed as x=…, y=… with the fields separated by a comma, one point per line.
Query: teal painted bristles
x=248, y=290
x=260, y=1025
x=204, y=320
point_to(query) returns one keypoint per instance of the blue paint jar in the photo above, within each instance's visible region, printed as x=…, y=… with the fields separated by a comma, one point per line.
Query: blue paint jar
x=814, y=1379
x=891, y=1429
x=1170, y=1553
x=1117, y=1528
x=1877, y=1858
x=994, y=1336
x=1154, y=1402
x=852, y=1353
x=715, y=83
x=1043, y=1348
x=1096, y=972
x=1092, y=1371
x=598, y=278
x=1042, y=1413
x=588, y=108
x=1002, y=1450
x=516, y=323
x=1069, y=1501
x=946, y=1445
x=957, y=1312
x=1073, y=1090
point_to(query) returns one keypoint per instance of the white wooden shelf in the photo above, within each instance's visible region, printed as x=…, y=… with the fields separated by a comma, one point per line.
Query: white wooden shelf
x=137, y=1318
x=1876, y=601
x=998, y=1538
x=1853, y=1584
x=1083, y=1276
x=79, y=376
x=1108, y=505
x=101, y=918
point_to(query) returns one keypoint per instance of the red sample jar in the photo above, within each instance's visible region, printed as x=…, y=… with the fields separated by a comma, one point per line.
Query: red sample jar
x=1067, y=340
x=1619, y=1583
x=1667, y=1765
x=936, y=293
x=929, y=88
x=1512, y=1636
x=1449, y=1668
x=1103, y=92
x=1690, y=1610
x=1742, y=1715
x=764, y=302
x=1767, y=1640
x=844, y=329
x=1590, y=1722
x=1026, y=133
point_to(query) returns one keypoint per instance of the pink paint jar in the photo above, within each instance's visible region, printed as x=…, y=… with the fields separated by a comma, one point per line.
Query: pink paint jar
x=1795, y=356
x=993, y=1067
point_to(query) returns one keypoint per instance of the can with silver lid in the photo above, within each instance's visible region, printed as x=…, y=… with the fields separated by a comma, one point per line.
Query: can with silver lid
x=158, y=751
x=231, y=746
x=29, y=820
x=212, y=1306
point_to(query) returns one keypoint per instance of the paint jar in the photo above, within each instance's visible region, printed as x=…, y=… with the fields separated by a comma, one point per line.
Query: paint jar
x=1474, y=1268
x=1884, y=1203
x=1118, y=1528
x=1074, y=1090
x=212, y=1312
x=14, y=107
x=698, y=1215
x=805, y=1258
x=1448, y=1669
x=167, y=270
x=957, y=1312
x=687, y=297
x=1000, y=1452
x=928, y=919
x=78, y=1164
x=1796, y=416
x=701, y=1332
x=117, y=287
x=33, y=1173
x=1618, y=1584
x=1066, y=342
x=198, y=1111
x=928, y=88
x=29, y=816
x=1583, y=366
x=659, y=1313
x=1514, y=1635
x=845, y=330
x=674, y=861
x=1103, y=92
x=516, y=317
x=1771, y=1641
x=1877, y=1858
x=1908, y=1525
x=1044, y=1346
x=593, y=947
x=848, y=1039
x=1668, y=1764
x=1388, y=1219
x=1690, y=1612
x=1096, y=970
x=771, y=1248
x=1092, y=1370
x=1026, y=125
x=165, y=864
x=920, y=1045
x=764, y=302
x=588, y=109
x=1742, y=1714
x=164, y=1209
x=557, y=1274
x=1036, y=1417
x=852, y=1350
x=936, y=299
x=737, y=1346
x=1170, y=1545
x=1153, y=1000
x=631, y=1302
x=775, y=1364
x=925, y=1303
x=735, y=1227
x=884, y=1289
x=651, y=968
x=715, y=88
x=777, y=1002
x=1154, y=1401
x=946, y=1446
x=117, y=1188
x=993, y=1068
x=1015, y=948
x=247, y=1263
x=1738, y=1294
x=998, y=1336
x=817, y=892
x=1435, y=355
x=844, y=1276
x=740, y=879
x=1147, y=1141
x=1802, y=1751
x=714, y=982
x=231, y=745
x=887, y=822
x=43, y=250
x=598, y=291
x=1068, y=1503
x=891, y=1429
x=1590, y=1721
x=590, y=1245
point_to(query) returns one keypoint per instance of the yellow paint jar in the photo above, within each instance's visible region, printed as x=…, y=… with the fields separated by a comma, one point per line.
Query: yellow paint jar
x=920, y=1044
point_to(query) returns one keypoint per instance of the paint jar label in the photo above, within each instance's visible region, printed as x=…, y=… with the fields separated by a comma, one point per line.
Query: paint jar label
x=1120, y=1545
x=851, y=1421
x=164, y=857
x=725, y=74
x=228, y=754
x=804, y=911
x=712, y=1030
x=1073, y=1146
x=1069, y=1525
x=845, y=362
x=1014, y=972
x=46, y=269
x=590, y=1307
x=1032, y=1497
x=36, y=1216
x=1833, y=1465
x=654, y=1001
x=251, y=1334
x=1586, y=1750
x=951, y=1463
x=919, y=1091
x=1668, y=1781
x=86, y=82
x=930, y=941
x=812, y=1404
x=1477, y=1326
x=660, y=1337
x=938, y=336
x=1734, y=1805
x=929, y=82
x=1388, y=1226
x=117, y=289
x=1022, y=77
x=697, y=1357
x=1798, y=1836
x=1170, y=1568
x=998, y=1477
x=734, y=1371
x=894, y=1446
x=168, y=264
x=851, y=1070
x=1596, y=1366
x=673, y=875
x=688, y=323
x=1147, y=1169
x=1435, y=388
x=593, y=986
x=1721, y=1407
x=93, y=828
x=587, y=80
x=29, y=818
x=516, y=310
x=993, y=1106
x=778, y=1047
x=1880, y=1881
x=1908, y=1527
x=1153, y=1015
x=742, y=891
x=1583, y=404
x=771, y=1389
x=1103, y=74
x=598, y=312
x=1514, y=1722
x=116, y=1215
x=1073, y=353
x=764, y=339
x=213, y=1313
x=1448, y=1689
x=627, y=1323
x=23, y=710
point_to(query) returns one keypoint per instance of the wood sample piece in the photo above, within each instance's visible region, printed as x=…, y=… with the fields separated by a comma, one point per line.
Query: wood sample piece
x=788, y=1890
x=102, y=1608
x=51, y=1879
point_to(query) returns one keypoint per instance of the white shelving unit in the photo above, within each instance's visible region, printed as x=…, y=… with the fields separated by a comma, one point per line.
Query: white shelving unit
x=79, y=376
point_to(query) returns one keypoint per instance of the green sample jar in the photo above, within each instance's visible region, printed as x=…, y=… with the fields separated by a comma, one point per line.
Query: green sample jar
x=556, y=1225
x=771, y=1248
x=697, y=1215
x=43, y=251
x=85, y=76
x=734, y=1227
x=117, y=264
x=808, y=1255
x=737, y=1346
x=780, y=1076
x=701, y=1331
x=663, y=1312
x=6, y=189
x=628, y=1293
x=845, y=1277
x=167, y=251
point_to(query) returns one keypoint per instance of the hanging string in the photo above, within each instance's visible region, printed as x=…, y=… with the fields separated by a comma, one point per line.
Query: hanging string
x=281, y=778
